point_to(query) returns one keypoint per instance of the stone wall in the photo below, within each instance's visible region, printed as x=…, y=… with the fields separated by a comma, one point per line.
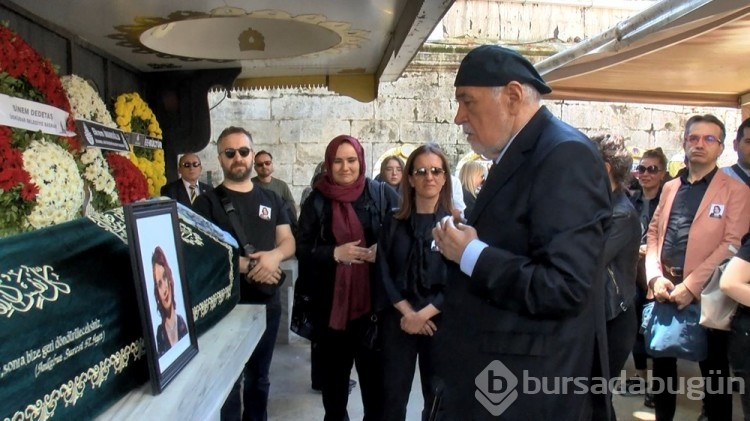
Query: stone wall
x=295, y=125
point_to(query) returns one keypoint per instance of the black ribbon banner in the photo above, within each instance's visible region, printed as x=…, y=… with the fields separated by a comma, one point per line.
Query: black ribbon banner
x=71, y=337
x=143, y=141
x=100, y=136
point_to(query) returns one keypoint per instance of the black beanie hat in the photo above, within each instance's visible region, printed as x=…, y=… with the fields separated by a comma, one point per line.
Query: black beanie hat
x=492, y=65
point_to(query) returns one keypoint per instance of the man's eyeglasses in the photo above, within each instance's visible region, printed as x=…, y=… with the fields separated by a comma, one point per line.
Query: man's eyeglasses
x=709, y=139
x=263, y=164
x=651, y=169
x=191, y=164
x=422, y=172
x=231, y=152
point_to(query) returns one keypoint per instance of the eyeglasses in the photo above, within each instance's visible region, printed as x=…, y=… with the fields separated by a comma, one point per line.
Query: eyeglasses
x=651, y=169
x=263, y=164
x=422, y=172
x=231, y=152
x=191, y=164
x=709, y=139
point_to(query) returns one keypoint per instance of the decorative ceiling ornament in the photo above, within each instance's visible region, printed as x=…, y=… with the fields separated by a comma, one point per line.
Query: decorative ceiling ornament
x=237, y=35
x=250, y=39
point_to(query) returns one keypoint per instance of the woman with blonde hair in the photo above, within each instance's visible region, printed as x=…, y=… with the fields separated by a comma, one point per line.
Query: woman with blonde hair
x=472, y=176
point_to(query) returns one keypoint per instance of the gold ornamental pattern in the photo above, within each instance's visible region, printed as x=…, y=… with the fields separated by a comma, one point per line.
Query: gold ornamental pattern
x=68, y=393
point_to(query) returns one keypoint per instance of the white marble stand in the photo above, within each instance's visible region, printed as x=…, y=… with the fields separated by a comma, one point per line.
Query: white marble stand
x=199, y=390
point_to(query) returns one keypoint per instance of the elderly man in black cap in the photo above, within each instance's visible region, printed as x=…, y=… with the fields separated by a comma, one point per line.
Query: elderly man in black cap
x=523, y=321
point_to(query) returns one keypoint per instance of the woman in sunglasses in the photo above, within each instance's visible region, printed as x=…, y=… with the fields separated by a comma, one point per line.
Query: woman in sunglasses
x=652, y=174
x=336, y=247
x=414, y=275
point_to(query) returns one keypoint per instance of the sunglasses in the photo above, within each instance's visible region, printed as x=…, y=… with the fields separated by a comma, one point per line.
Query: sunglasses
x=651, y=169
x=191, y=164
x=422, y=172
x=263, y=164
x=709, y=139
x=231, y=152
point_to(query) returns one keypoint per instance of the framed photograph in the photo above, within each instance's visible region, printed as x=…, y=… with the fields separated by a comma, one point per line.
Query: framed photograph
x=162, y=289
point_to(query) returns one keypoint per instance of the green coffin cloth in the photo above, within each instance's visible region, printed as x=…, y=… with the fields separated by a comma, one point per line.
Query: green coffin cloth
x=71, y=342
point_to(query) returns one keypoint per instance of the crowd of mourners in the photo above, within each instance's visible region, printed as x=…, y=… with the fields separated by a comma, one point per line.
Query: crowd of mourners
x=541, y=261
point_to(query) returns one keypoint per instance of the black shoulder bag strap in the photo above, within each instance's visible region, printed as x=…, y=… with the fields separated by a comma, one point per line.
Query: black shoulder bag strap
x=245, y=245
x=234, y=219
x=743, y=175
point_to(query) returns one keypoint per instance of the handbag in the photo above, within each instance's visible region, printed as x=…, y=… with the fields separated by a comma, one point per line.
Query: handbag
x=669, y=332
x=717, y=309
x=301, y=319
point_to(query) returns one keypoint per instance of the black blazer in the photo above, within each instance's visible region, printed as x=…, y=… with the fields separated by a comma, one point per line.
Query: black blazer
x=534, y=301
x=176, y=190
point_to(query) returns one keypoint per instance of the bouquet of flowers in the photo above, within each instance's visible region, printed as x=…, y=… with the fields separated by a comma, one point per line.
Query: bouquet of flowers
x=134, y=115
x=28, y=198
x=86, y=104
x=131, y=184
x=61, y=194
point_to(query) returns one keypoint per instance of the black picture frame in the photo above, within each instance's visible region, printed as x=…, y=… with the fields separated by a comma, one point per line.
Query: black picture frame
x=155, y=254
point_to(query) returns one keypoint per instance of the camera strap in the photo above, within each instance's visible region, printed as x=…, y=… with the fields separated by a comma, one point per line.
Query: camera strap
x=234, y=218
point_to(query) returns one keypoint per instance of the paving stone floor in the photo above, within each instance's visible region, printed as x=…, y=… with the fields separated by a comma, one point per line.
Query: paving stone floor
x=292, y=399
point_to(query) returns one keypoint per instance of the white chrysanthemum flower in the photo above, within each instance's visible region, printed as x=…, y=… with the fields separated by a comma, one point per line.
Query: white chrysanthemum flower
x=54, y=171
x=85, y=102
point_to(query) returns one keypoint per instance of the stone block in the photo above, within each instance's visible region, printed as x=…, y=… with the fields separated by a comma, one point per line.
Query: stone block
x=290, y=107
x=311, y=153
x=375, y=131
x=409, y=85
x=312, y=129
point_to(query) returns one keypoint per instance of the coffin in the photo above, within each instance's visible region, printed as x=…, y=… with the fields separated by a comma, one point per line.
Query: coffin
x=71, y=342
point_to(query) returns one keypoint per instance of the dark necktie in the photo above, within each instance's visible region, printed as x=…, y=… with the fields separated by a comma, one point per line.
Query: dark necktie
x=192, y=193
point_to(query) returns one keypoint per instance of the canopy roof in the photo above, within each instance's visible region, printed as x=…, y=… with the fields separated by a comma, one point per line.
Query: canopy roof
x=699, y=56
x=348, y=46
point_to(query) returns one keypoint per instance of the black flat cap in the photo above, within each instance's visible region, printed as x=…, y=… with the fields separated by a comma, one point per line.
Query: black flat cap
x=492, y=65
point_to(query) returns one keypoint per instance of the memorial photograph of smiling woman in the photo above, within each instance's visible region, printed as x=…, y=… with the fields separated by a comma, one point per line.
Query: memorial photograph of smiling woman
x=172, y=326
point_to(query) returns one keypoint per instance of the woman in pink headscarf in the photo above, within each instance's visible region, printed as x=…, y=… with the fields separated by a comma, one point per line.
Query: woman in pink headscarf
x=336, y=247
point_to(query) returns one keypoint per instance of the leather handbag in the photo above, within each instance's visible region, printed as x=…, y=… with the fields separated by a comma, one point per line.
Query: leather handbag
x=669, y=332
x=370, y=338
x=301, y=319
x=717, y=310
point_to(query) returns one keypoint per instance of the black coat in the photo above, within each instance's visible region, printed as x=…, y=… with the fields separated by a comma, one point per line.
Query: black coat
x=399, y=251
x=637, y=200
x=534, y=305
x=176, y=190
x=315, y=244
x=621, y=254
